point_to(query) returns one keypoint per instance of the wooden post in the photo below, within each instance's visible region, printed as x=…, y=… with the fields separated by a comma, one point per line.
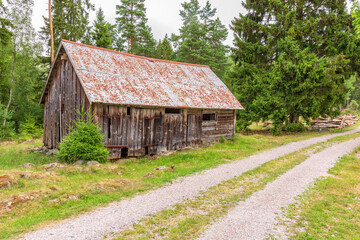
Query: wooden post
x=234, y=122
x=51, y=33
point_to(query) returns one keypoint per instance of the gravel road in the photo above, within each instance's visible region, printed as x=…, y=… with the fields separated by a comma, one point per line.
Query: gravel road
x=119, y=215
x=256, y=217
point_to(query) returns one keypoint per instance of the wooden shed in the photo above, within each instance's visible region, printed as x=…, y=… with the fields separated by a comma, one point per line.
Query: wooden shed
x=143, y=105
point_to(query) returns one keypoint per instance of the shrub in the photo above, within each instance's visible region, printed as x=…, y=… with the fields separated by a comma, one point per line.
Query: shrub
x=354, y=105
x=7, y=131
x=222, y=139
x=295, y=127
x=84, y=142
x=29, y=130
x=276, y=129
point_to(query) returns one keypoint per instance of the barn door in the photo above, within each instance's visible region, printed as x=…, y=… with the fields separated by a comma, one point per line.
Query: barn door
x=193, y=132
x=152, y=133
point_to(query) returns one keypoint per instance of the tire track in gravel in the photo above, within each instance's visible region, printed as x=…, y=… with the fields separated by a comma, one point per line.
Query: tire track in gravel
x=256, y=217
x=119, y=215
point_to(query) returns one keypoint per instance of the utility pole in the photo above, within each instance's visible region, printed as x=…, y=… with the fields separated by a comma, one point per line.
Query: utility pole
x=51, y=33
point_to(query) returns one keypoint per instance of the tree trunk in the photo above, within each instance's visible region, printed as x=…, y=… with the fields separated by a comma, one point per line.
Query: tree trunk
x=11, y=86
x=131, y=37
x=51, y=33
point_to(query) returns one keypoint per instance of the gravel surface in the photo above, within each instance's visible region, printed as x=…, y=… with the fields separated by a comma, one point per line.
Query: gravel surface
x=256, y=217
x=119, y=215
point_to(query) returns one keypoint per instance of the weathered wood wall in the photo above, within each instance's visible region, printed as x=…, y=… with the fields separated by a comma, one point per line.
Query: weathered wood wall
x=141, y=131
x=64, y=97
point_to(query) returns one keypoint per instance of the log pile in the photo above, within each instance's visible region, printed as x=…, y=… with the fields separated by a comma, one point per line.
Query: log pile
x=339, y=122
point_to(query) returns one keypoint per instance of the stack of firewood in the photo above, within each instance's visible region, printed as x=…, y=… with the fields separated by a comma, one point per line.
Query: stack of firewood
x=339, y=122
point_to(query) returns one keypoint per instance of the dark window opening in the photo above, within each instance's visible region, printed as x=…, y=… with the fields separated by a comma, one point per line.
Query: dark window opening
x=128, y=111
x=124, y=152
x=146, y=150
x=109, y=128
x=209, y=117
x=172, y=110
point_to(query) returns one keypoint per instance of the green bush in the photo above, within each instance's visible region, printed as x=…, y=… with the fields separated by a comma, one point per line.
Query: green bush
x=354, y=105
x=84, y=142
x=276, y=129
x=295, y=127
x=7, y=131
x=222, y=139
x=29, y=130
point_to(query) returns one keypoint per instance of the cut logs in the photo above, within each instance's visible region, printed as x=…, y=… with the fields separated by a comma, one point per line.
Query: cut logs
x=339, y=122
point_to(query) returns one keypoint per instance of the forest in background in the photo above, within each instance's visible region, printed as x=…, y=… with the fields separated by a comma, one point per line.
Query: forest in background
x=291, y=60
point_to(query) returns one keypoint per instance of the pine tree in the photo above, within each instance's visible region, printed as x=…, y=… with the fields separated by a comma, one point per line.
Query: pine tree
x=201, y=37
x=291, y=59
x=70, y=21
x=135, y=35
x=164, y=49
x=102, y=33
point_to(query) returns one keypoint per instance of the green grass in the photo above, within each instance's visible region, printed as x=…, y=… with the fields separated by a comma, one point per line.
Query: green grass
x=331, y=208
x=97, y=186
x=187, y=220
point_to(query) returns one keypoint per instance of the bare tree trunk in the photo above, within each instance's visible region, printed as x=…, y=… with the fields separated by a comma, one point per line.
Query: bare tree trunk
x=51, y=33
x=11, y=86
x=131, y=37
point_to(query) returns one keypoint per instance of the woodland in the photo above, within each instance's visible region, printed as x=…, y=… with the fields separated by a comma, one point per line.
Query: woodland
x=290, y=60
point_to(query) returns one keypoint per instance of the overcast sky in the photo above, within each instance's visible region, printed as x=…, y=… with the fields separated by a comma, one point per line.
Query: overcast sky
x=163, y=15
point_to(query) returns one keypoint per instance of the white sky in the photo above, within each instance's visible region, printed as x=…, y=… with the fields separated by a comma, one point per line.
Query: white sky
x=163, y=15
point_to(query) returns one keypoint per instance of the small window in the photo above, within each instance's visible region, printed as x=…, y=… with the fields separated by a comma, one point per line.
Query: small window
x=172, y=110
x=128, y=111
x=209, y=117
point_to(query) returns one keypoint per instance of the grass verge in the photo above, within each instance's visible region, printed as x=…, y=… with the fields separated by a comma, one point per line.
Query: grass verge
x=331, y=208
x=188, y=220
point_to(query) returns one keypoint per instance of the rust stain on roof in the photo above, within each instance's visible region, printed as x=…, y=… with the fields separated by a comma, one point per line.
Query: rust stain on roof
x=113, y=77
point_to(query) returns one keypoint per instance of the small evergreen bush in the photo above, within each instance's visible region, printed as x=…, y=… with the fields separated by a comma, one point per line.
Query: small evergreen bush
x=29, y=129
x=295, y=127
x=84, y=142
x=222, y=139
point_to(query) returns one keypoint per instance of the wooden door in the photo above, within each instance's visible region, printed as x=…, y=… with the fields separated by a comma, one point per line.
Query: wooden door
x=194, y=130
x=152, y=133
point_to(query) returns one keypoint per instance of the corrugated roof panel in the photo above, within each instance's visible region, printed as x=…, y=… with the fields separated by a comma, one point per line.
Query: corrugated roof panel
x=117, y=78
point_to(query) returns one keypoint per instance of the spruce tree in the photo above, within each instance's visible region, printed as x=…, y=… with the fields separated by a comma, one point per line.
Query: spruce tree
x=201, y=37
x=102, y=33
x=291, y=59
x=70, y=21
x=164, y=49
x=134, y=34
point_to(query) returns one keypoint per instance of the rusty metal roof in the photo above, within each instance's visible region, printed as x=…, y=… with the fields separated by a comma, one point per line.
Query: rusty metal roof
x=113, y=77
